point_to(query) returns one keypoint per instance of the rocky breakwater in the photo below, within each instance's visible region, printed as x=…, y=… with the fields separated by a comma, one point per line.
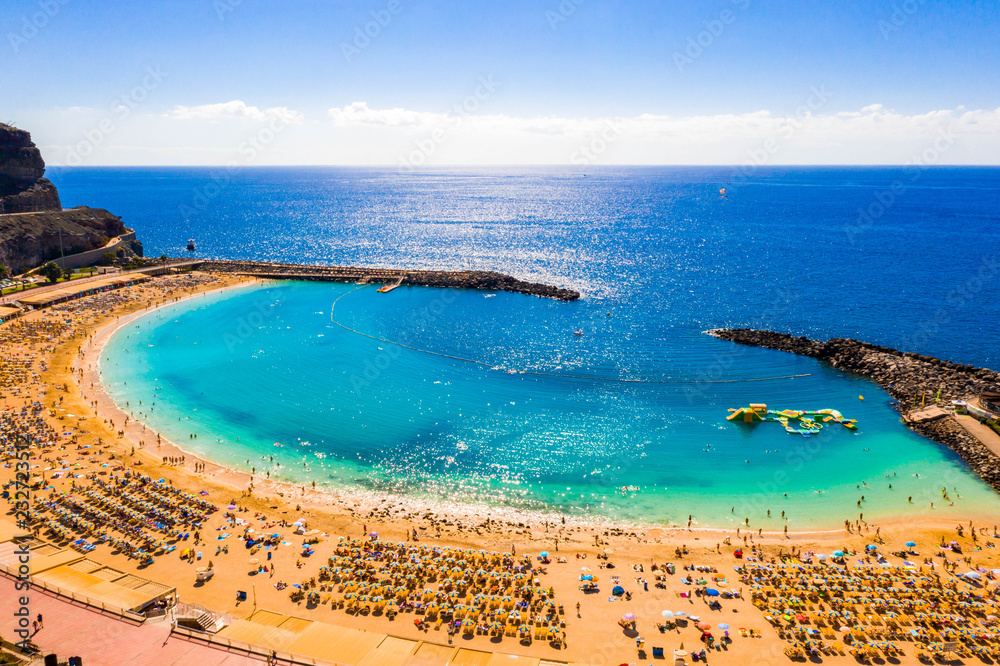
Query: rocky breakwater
x=906, y=376
x=483, y=280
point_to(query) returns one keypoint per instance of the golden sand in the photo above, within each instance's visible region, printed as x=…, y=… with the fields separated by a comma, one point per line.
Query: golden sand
x=70, y=386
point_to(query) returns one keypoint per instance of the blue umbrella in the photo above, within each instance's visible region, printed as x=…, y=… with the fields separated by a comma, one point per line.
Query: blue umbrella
x=712, y=592
x=871, y=546
x=618, y=590
x=296, y=585
x=544, y=553
x=910, y=544
x=723, y=626
x=587, y=577
x=838, y=553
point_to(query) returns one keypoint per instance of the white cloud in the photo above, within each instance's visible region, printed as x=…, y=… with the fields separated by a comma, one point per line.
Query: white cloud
x=234, y=109
x=358, y=113
x=842, y=126
x=357, y=134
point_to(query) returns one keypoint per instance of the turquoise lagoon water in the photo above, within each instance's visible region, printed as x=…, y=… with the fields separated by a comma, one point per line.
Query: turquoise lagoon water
x=258, y=366
x=658, y=249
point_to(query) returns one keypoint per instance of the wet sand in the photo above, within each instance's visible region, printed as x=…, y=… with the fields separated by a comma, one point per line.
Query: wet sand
x=595, y=637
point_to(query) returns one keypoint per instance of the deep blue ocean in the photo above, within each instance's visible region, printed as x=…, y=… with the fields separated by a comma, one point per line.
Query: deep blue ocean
x=902, y=257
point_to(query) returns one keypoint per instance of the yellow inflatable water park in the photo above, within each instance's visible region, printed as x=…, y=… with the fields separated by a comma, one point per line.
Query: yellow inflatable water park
x=806, y=422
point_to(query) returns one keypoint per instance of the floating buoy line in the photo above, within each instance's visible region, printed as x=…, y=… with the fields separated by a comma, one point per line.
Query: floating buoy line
x=546, y=374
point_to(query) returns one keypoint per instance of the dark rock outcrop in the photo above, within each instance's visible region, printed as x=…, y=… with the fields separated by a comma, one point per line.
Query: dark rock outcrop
x=34, y=228
x=42, y=196
x=31, y=239
x=483, y=280
x=22, y=186
x=906, y=376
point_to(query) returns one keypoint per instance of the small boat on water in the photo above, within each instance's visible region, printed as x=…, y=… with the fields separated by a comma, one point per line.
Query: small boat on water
x=190, y=245
x=578, y=331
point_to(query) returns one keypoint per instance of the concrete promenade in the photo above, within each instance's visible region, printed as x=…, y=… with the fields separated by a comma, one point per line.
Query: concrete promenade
x=74, y=630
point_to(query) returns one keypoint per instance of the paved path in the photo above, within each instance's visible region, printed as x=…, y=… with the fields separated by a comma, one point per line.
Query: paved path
x=9, y=298
x=105, y=640
x=981, y=432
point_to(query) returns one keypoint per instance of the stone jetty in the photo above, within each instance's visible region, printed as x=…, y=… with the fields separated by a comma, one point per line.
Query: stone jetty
x=906, y=376
x=482, y=280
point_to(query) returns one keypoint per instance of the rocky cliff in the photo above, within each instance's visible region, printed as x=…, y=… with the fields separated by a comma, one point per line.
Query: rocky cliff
x=23, y=189
x=30, y=239
x=32, y=220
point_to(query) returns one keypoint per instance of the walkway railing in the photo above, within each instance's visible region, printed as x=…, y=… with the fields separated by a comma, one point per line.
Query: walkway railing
x=80, y=598
x=249, y=648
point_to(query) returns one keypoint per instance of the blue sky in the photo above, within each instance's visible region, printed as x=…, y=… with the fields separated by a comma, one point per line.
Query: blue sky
x=917, y=67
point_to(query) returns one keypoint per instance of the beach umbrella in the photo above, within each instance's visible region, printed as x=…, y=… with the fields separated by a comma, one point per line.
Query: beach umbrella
x=704, y=626
x=838, y=553
x=544, y=553
x=910, y=544
x=972, y=574
x=667, y=614
x=724, y=626
x=712, y=592
x=586, y=577
x=629, y=617
x=618, y=590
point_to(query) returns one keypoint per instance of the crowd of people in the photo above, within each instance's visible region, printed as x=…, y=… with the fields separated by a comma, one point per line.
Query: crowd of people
x=878, y=608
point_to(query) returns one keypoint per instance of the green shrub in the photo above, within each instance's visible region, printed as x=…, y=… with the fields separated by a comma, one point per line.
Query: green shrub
x=51, y=271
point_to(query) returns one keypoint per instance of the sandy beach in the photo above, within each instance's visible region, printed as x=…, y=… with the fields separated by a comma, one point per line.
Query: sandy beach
x=68, y=383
